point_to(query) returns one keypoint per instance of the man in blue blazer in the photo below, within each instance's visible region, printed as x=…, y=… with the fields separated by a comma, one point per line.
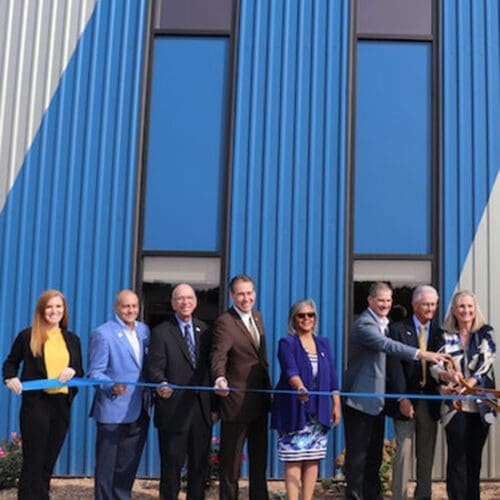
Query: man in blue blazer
x=117, y=352
x=363, y=415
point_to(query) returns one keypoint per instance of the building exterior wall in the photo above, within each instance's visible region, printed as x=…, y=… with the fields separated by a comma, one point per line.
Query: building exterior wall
x=70, y=96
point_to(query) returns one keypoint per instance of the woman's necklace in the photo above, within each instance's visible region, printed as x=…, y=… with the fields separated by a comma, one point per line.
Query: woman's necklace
x=308, y=344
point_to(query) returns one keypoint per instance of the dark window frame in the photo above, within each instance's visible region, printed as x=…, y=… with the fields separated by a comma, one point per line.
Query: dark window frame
x=434, y=257
x=140, y=253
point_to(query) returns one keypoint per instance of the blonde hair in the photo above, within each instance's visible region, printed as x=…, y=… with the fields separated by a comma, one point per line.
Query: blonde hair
x=39, y=325
x=450, y=322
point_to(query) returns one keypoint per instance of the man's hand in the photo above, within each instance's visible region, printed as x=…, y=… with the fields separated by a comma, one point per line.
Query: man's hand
x=406, y=408
x=66, y=374
x=14, y=384
x=164, y=391
x=119, y=389
x=434, y=357
x=222, y=386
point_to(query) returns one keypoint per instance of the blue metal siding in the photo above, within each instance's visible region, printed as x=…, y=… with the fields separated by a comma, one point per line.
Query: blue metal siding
x=471, y=163
x=68, y=220
x=393, y=148
x=471, y=129
x=288, y=207
x=187, y=137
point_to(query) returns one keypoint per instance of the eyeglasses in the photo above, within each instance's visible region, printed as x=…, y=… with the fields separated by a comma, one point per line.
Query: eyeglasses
x=306, y=315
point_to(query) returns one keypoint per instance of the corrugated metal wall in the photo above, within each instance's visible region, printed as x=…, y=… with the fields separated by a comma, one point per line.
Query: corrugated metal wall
x=70, y=91
x=289, y=167
x=471, y=162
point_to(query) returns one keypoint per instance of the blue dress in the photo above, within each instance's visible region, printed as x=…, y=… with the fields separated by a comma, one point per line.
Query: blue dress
x=303, y=427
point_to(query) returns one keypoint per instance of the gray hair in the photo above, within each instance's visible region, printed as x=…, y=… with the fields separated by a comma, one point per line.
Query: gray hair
x=297, y=307
x=420, y=290
x=450, y=322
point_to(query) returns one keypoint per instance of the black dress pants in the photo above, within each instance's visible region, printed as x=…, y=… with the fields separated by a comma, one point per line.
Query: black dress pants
x=465, y=438
x=44, y=422
x=364, y=438
x=191, y=439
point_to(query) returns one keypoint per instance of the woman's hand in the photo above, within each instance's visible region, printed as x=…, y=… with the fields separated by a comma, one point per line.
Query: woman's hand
x=453, y=377
x=66, y=374
x=302, y=394
x=446, y=389
x=14, y=384
x=336, y=415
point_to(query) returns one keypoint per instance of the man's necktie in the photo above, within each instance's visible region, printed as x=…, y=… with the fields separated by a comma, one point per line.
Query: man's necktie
x=190, y=343
x=422, y=345
x=254, y=332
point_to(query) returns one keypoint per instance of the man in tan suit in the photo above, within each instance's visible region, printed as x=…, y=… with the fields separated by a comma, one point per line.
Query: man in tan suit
x=239, y=360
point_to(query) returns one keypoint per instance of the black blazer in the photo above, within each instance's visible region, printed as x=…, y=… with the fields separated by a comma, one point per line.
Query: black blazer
x=34, y=368
x=405, y=377
x=169, y=360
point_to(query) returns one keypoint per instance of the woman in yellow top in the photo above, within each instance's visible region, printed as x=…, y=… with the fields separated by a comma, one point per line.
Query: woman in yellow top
x=46, y=350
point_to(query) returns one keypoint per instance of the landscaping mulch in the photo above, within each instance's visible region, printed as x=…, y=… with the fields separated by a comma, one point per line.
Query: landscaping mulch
x=146, y=489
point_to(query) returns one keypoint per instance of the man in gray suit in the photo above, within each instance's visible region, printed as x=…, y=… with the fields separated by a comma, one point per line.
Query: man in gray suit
x=363, y=416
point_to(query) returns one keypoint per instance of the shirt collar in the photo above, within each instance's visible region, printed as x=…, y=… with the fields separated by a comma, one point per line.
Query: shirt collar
x=244, y=316
x=182, y=324
x=381, y=322
x=124, y=325
x=417, y=323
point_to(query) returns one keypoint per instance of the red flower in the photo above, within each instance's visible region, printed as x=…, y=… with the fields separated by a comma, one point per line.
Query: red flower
x=214, y=459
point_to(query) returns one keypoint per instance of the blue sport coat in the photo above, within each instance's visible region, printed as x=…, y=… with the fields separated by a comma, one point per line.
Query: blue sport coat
x=288, y=413
x=111, y=357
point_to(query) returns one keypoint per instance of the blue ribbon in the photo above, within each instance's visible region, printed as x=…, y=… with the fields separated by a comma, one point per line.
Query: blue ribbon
x=53, y=383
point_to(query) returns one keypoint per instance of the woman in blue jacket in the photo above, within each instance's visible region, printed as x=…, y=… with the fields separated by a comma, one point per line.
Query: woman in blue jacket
x=303, y=420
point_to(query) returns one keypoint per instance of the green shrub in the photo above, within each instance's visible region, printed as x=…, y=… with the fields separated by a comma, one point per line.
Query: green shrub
x=11, y=459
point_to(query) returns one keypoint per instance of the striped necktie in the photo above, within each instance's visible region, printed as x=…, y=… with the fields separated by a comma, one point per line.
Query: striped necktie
x=190, y=343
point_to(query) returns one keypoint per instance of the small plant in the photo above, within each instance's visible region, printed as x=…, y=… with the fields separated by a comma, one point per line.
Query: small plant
x=327, y=483
x=11, y=459
x=278, y=495
x=388, y=453
x=213, y=460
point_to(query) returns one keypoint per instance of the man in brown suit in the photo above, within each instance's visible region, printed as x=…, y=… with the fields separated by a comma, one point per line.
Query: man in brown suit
x=239, y=360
